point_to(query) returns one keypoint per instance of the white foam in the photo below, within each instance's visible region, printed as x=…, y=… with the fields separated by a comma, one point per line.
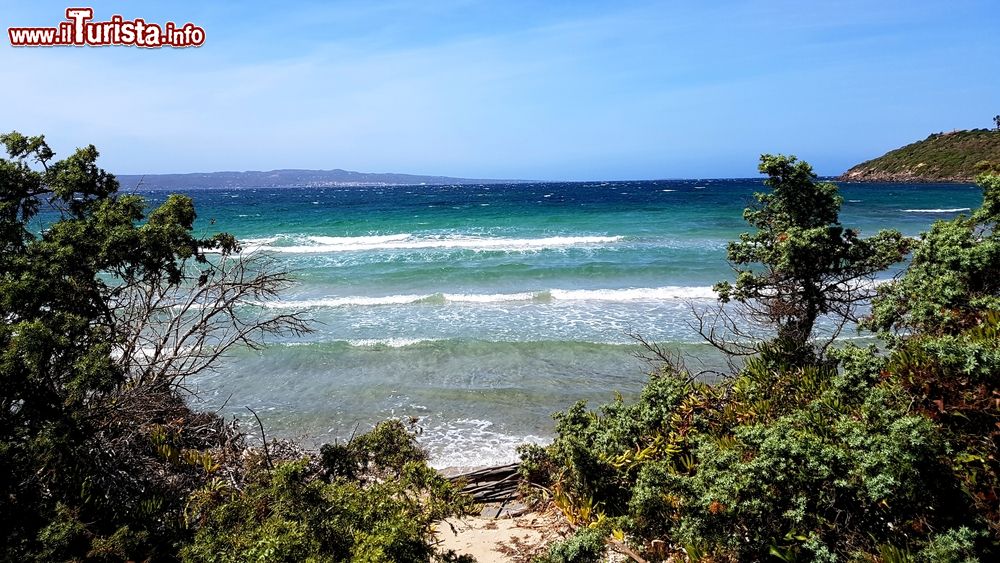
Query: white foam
x=350, y=241
x=635, y=294
x=471, y=443
x=627, y=294
x=490, y=298
x=261, y=241
x=322, y=244
x=950, y=210
x=388, y=342
x=343, y=302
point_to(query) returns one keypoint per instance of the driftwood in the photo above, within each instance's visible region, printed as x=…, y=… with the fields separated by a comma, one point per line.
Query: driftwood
x=493, y=484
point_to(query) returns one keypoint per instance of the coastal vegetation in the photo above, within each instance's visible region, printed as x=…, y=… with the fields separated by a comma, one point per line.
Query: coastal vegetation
x=956, y=156
x=807, y=452
x=798, y=265
x=106, y=312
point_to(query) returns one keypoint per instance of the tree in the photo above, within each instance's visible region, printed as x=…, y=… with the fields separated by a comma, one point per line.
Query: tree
x=102, y=315
x=996, y=120
x=167, y=332
x=799, y=265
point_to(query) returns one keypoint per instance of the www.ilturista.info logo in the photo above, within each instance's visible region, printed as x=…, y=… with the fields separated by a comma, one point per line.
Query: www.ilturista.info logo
x=79, y=30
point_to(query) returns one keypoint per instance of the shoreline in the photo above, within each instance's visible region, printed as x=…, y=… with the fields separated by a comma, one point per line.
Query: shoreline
x=917, y=181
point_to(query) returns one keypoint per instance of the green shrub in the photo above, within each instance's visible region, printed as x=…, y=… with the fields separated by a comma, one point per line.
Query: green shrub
x=799, y=462
x=585, y=546
x=952, y=546
x=380, y=509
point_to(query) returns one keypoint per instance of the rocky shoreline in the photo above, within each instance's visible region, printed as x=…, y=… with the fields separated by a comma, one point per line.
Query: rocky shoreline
x=874, y=176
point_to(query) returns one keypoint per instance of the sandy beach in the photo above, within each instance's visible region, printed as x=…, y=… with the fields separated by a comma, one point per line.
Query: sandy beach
x=495, y=540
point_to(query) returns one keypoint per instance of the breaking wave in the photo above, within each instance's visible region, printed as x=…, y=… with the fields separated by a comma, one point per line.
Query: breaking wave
x=619, y=295
x=406, y=241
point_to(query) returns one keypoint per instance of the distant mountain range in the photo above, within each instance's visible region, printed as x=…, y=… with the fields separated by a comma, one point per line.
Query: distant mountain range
x=286, y=178
x=957, y=156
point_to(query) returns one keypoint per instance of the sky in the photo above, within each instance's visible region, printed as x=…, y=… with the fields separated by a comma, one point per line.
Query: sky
x=554, y=90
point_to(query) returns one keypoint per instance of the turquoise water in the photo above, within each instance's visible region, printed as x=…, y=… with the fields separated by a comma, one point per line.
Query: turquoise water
x=480, y=310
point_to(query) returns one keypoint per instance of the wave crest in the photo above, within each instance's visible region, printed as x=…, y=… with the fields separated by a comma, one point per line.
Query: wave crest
x=949, y=210
x=615, y=295
x=406, y=241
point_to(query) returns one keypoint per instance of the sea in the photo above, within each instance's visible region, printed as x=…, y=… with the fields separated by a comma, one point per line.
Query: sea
x=477, y=311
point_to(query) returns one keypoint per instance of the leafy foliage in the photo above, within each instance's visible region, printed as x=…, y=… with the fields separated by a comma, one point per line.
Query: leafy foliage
x=945, y=315
x=864, y=456
x=102, y=316
x=382, y=509
x=800, y=263
x=586, y=546
x=952, y=280
x=82, y=476
x=799, y=461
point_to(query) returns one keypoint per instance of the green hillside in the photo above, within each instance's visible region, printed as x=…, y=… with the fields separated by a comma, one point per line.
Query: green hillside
x=942, y=157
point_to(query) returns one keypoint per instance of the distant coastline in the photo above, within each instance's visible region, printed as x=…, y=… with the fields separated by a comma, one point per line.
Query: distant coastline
x=288, y=178
x=954, y=157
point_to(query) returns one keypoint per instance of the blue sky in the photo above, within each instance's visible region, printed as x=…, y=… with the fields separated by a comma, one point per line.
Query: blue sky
x=557, y=90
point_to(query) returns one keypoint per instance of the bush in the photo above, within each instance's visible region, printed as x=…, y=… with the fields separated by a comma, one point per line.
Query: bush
x=797, y=462
x=377, y=503
x=943, y=317
x=586, y=546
